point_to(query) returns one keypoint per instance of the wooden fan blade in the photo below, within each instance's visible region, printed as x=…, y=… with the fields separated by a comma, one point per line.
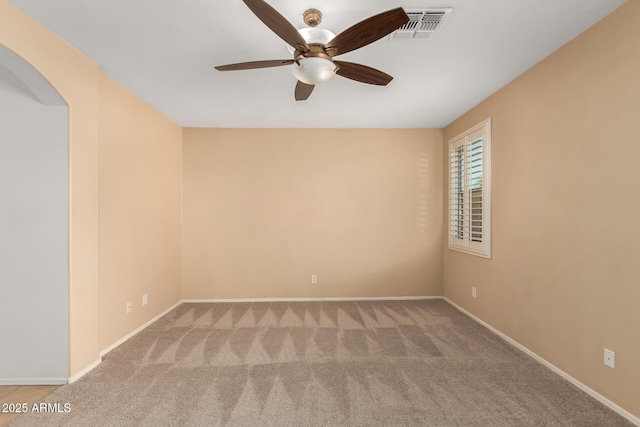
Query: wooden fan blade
x=367, y=31
x=278, y=24
x=303, y=91
x=254, y=64
x=362, y=73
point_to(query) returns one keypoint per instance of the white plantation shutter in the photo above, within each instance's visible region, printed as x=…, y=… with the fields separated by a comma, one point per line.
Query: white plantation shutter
x=469, y=191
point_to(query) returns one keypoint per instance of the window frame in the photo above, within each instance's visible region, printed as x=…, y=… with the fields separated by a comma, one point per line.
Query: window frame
x=466, y=244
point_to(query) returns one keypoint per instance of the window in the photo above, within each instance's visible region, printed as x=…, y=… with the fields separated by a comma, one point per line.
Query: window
x=470, y=191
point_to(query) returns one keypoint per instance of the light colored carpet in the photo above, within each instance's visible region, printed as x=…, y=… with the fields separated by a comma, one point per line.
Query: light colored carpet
x=365, y=363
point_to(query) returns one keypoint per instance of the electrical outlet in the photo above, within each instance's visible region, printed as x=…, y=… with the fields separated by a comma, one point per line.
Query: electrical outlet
x=473, y=292
x=144, y=299
x=314, y=279
x=609, y=358
x=129, y=307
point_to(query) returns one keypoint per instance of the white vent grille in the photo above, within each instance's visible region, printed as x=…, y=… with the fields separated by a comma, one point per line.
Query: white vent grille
x=423, y=24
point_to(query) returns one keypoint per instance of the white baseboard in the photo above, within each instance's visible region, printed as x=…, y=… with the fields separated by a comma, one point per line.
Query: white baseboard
x=137, y=330
x=310, y=299
x=86, y=370
x=33, y=381
x=549, y=365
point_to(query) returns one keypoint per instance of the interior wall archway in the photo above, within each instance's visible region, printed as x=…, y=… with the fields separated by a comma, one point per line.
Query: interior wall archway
x=34, y=227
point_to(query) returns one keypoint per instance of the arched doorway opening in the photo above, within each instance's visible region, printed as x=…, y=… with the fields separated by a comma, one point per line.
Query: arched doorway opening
x=34, y=227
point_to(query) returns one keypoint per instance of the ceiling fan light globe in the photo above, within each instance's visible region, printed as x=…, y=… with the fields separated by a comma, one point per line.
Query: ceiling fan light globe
x=313, y=71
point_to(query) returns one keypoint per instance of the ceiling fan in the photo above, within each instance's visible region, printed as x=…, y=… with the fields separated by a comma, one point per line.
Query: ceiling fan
x=314, y=48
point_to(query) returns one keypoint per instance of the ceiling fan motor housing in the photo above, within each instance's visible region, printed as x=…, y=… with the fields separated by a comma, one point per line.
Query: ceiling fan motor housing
x=315, y=50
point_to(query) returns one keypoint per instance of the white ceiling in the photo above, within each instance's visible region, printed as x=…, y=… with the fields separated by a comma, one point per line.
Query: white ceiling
x=164, y=51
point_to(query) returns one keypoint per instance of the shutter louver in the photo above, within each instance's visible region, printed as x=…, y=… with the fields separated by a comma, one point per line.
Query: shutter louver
x=457, y=193
x=474, y=185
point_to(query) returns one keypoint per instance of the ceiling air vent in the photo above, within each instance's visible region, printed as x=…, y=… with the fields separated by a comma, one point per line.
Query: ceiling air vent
x=423, y=24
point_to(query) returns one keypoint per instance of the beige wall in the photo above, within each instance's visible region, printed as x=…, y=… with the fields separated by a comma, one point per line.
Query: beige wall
x=265, y=209
x=124, y=187
x=76, y=79
x=140, y=211
x=564, y=278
